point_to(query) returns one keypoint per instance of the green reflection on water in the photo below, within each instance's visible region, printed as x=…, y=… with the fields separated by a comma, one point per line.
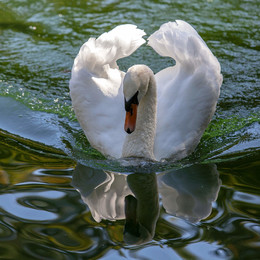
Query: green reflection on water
x=39, y=41
x=42, y=182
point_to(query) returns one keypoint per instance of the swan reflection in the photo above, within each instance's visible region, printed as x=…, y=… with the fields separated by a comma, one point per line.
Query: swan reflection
x=187, y=193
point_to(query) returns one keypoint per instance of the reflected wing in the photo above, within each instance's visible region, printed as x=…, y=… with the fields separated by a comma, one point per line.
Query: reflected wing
x=187, y=92
x=103, y=192
x=189, y=192
x=95, y=87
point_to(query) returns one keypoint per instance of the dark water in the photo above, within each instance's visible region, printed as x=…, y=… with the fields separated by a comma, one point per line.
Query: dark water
x=60, y=199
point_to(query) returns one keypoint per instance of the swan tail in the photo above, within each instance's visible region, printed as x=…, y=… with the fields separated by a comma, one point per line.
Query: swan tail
x=96, y=54
x=180, y=41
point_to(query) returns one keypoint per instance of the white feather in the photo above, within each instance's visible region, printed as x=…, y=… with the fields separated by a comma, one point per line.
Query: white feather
x=187, y=92
x=95, y=87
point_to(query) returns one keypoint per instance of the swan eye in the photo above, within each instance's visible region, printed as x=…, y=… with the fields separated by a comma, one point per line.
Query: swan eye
x=132, y=100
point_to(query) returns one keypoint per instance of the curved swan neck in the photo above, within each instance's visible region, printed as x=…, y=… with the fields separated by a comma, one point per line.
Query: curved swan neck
x=141, y=142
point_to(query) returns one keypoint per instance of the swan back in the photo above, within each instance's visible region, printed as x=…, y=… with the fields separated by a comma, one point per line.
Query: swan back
x=187, y=92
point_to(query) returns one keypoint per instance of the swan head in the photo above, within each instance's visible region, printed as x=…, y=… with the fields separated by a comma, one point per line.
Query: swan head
x=135, y=86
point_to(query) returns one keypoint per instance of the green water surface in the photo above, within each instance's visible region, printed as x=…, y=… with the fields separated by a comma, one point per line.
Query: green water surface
x=61, y=199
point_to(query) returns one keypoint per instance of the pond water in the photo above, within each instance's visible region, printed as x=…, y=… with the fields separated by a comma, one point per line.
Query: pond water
x=61, y=199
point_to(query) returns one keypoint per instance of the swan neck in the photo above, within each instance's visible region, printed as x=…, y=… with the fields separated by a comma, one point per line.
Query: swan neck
x=141, y=142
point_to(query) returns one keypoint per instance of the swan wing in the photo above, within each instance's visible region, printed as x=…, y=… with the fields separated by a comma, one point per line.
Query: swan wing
x=187, y=92
x=95, y=87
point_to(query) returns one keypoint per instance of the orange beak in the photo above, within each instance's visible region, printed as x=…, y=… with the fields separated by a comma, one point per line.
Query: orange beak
x=130, y=119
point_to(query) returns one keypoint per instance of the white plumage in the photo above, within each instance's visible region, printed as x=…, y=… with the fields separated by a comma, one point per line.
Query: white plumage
x=187, y=93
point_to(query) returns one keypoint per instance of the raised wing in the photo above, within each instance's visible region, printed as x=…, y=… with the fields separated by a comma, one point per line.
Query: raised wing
x=187, y=92
x=95, y=87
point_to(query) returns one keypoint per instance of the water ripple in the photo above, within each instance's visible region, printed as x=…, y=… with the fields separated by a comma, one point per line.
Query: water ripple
x=6, y=232
x=41, y=215
x=40, y=206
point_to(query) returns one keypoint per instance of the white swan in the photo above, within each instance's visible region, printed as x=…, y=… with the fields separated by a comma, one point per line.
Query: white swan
x=174, y=106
